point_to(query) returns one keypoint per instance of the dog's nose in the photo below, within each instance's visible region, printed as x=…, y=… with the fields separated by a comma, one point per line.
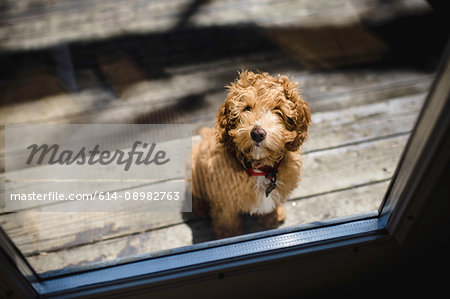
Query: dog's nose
x=258, y=134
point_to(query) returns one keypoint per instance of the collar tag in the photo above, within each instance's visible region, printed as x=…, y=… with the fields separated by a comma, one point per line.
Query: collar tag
x=268, y=172
x=272, y=185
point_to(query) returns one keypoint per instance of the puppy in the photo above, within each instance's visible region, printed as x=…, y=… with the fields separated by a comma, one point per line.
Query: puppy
x=250, y=163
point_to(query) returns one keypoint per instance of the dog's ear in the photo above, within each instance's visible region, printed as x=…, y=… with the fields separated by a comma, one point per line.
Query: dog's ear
x=302, y=113
x=224, y=123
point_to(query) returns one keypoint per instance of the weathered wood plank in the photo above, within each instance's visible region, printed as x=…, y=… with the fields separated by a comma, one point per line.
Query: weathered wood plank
x=349, y=166
x=359, y=123
x=335, y=204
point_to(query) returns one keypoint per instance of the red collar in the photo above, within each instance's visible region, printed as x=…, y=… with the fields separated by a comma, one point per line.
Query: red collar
x=266, y=171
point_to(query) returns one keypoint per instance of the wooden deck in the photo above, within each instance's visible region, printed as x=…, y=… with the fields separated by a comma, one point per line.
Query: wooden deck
x=362, y=117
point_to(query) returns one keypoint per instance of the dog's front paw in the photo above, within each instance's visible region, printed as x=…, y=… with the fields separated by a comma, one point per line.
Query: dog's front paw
x=281, y=214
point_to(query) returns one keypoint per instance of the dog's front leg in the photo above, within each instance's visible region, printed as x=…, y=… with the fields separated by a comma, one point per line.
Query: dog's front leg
x=274, y=218
x=225, y=223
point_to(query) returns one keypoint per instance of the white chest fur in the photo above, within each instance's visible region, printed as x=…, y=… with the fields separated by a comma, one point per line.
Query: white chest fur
x=265, y=204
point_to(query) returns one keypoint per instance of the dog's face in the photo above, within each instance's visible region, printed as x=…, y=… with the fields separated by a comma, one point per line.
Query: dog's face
x=262, y=117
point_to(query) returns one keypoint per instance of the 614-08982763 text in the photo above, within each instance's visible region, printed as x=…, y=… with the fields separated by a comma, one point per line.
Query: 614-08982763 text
x=135, y=195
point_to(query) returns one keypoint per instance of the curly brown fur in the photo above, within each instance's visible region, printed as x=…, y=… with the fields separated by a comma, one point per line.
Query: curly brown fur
x=274, y=109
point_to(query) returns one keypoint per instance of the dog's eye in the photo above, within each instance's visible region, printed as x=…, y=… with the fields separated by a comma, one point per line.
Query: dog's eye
x=247, y=108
